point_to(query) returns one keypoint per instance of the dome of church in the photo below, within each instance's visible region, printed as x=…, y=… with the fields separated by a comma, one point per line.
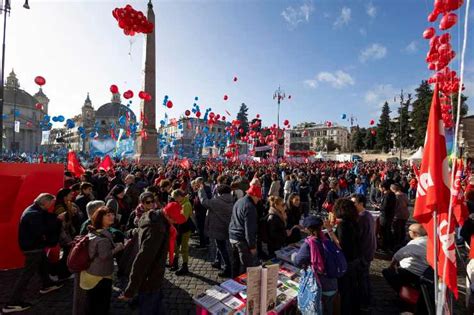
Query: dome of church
x=113, y=110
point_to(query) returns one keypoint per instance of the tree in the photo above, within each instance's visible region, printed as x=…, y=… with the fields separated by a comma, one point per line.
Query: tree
x=404, y=117
x=370, y=139
x=331, y=145
x=384, y=141
x=242, y=116
x=420, y=113
x=358, y=139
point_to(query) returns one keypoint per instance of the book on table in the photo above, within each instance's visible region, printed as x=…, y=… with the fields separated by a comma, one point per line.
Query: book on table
x=233, y=286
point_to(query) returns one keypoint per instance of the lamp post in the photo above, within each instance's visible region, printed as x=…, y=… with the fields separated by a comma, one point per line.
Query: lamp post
x=6, y=11
x=279, y=95
x=13, y=146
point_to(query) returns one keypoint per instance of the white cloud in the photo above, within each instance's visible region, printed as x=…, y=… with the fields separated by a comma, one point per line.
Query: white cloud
x=312, y=83
x=411, y=48
x=295, y=15
x=381, y=93
x=338, y=79
x=343, y=18
x=373, y=52
x=371, y=10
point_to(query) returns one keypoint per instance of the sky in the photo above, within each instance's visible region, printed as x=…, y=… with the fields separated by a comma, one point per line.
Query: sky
x=333, y=57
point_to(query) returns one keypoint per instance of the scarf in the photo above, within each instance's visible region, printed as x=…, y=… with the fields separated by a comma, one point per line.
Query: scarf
x=317, y=261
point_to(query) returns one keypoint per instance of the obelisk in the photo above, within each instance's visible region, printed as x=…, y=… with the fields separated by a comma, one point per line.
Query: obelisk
x=147, y=142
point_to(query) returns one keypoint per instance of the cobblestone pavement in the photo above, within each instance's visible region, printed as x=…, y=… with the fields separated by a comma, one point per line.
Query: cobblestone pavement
x=178, y=291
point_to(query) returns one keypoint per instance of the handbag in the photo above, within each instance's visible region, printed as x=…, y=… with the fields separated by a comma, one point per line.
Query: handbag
x=53, y=253
x=309, y=291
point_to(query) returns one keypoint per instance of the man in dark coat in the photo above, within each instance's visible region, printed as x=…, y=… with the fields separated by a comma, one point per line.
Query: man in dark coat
x=148, y=270
x=83, y=199
x=387, y=213
x=243, y=231
x=38, y=229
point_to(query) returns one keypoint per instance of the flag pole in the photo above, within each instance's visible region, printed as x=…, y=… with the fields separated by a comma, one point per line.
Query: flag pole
x=435, y=251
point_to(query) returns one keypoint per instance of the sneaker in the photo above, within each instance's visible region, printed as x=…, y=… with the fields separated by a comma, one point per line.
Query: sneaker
x=51, y=288
x=16, y=307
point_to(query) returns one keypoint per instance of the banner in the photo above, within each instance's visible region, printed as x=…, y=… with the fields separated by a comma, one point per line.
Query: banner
x=45, y=137
x=20, y=184
x=17, y=126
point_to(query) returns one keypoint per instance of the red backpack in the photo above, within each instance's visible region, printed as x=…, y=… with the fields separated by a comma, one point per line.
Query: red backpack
x=78, y=258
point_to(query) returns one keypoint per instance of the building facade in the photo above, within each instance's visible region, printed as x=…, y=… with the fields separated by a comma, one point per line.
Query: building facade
x=316, y=137
x=192, y=137
x=20, y=106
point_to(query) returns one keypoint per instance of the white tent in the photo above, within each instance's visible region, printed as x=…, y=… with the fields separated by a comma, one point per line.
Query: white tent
x=417, y=156
x=320, y=156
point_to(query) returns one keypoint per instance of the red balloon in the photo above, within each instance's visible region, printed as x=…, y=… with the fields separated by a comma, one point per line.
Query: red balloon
x=235, y=79
x=444, y=49
x=114, y=89
x=373, y=132
x=40, y=80
x=445, y=38
x=169, y=104
x=128, y=94
x=223, y=118
x=39, y=106
x=241, y=130
x=211, y=115
x=226, y=97
x=141, y=94
x=198, y=114
x=187, y=112
x=372, y=122
x=286, y=122
x=448, y=21
x=429, y=33
x=433, y=16
x=147, y=97
x=451, y=5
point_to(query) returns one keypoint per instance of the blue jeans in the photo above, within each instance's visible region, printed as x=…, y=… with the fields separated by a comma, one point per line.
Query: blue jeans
x=150, y=303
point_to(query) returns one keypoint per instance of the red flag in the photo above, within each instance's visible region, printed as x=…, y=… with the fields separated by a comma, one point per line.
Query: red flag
x=459, y=206
x=73, y=164
x=433, y=194
x=106, y=164
x=184, y=163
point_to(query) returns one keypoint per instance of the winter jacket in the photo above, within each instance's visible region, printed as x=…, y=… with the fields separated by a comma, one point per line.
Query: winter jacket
x=387, y=209
x=401, y=207
x=276, y=232
x=243, y=224
x=274, y=188
x=218, y=215
x=347, y=233
x=38, y=229
x=101, y=251
x=148, y=268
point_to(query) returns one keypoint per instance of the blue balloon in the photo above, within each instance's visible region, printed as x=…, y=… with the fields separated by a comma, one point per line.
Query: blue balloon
x=196, y=98
x=50, y=125
x=92, y=134
x=343, y=116
x=81, y=129
x=55, y=119
x=122, y=120
x=60, y=118
x=83, y=136
x=162, y=122
x=46, y=118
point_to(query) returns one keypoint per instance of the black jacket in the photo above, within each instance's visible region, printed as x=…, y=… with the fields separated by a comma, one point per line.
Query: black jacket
x=243, y=224
x=38, y=229
x=148, y=268
x=276, y=232
x=387, y=209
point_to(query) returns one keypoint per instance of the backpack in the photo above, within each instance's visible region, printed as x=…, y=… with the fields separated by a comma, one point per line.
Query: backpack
x=263, y=229
x=78, y=258
x=335, y=264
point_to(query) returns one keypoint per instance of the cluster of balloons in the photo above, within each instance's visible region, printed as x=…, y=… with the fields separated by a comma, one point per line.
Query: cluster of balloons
x=144, y=96
x=441, y=54
x=132, y=21
x=166, y=102
x=328, y=123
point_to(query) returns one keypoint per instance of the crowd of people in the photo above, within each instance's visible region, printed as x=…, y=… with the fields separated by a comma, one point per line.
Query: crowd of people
x=142, y=217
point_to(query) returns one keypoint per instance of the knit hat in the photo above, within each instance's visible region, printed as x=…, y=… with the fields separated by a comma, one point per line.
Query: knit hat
x=255, y=191
x=173, y=210
x=312, y=221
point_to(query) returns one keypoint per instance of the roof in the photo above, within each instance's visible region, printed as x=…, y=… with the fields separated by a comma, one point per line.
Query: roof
x=113, y=110
x=19, y=97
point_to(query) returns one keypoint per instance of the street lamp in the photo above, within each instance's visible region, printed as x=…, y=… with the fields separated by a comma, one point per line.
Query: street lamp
x=6, y=11
x=279, y=95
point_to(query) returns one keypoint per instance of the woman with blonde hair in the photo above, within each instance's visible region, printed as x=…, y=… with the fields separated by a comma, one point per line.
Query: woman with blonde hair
x=276, y=225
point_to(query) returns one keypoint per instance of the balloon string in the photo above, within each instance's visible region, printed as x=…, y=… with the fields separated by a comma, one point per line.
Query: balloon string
x=130, y=49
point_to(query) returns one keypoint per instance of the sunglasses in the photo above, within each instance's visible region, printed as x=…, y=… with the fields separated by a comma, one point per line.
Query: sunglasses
x=147, y=202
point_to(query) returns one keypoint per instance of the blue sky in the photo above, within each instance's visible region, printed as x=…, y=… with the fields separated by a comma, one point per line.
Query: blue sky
x=331, y=56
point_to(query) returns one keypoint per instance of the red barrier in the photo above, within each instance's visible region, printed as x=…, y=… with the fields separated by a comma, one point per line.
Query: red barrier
x=20, y=184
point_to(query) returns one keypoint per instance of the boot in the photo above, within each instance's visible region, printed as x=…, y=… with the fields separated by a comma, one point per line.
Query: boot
x=183, y=271
x=175, y=265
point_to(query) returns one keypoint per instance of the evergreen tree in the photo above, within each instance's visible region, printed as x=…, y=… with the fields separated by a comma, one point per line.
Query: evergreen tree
x=384, y=141
x=370, y=142
x=404, y=118
x=464, y=106
x=358, y=139
x=242, y=116
x=420, y=113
